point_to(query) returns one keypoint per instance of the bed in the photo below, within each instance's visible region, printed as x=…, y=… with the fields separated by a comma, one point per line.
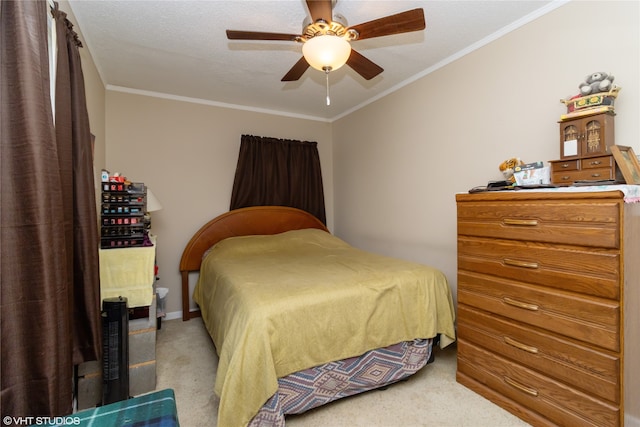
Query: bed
x=300, y=318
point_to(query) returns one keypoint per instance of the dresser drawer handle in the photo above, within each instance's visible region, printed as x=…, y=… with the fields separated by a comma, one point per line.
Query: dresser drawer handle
x=518, y=263
x=565, y=165
x=595, y=175
x=519, y=345
x=521, y=387
x=520, y=304
x=595, y=163
x=526, y=222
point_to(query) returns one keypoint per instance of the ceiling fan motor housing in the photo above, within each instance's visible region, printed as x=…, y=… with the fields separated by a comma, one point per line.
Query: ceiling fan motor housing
x=337, y=27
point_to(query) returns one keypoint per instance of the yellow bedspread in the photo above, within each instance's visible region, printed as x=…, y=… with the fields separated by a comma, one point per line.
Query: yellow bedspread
x=278, y=304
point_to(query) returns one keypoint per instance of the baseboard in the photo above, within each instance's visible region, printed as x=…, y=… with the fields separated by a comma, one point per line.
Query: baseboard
x=178, y=315
x=173, y=315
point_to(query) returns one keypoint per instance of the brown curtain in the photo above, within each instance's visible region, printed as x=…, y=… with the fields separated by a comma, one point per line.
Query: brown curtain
x=50, y=307
x=72, y=127
x=279, y=172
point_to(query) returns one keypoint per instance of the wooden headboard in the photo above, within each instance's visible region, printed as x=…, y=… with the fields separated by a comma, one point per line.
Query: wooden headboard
x=255, y=220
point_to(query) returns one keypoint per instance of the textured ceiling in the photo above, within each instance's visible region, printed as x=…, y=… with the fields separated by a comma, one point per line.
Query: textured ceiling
x=178, y=48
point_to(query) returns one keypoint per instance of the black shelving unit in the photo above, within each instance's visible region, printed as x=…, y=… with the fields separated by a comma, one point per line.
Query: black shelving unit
x=122, y=214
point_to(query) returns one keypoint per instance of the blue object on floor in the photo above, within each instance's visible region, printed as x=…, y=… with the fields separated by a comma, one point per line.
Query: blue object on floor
x=157, y=409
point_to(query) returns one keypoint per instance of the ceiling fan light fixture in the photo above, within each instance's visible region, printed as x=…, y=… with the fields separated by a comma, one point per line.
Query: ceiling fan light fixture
x=326, y=52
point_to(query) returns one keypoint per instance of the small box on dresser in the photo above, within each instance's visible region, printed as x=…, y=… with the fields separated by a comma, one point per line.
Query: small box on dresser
x=584, y=149
x=548, y=303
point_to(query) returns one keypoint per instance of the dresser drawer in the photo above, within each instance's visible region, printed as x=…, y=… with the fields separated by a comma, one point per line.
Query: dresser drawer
x=583, y=367
x=569, y=177
x=577, y=222
x=561, y=404
x=581, y=164
x=592, y=320
x=565, y=165
x=592, y=272
x=597, y=162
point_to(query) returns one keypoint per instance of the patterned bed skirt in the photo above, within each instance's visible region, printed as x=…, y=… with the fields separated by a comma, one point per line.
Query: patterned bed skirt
x=317, y=386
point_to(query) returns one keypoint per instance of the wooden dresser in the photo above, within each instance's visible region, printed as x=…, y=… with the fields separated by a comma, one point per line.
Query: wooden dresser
x=549, y=305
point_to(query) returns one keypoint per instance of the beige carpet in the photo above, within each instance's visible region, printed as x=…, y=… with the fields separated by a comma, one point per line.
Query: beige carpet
x=186, y=362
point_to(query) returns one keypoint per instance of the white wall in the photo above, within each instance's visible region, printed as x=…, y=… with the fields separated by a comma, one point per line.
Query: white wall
x=186, y=153
x=399, y=162
x=391, y=169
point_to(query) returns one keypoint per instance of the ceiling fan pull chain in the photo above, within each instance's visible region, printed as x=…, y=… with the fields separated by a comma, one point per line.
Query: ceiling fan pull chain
x=326, y=73
x=328, y=98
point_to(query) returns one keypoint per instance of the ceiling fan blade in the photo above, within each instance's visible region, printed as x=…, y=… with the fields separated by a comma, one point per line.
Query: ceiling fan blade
x=296, y=71
x=257, y=35
x=363, y=66
x=403, y=22
x=320, y=9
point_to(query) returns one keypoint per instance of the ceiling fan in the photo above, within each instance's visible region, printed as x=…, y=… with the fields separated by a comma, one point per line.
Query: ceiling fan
x=326, y=39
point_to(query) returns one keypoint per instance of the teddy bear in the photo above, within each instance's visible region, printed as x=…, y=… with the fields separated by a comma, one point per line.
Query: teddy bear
x=596, y=82
x=508, y=168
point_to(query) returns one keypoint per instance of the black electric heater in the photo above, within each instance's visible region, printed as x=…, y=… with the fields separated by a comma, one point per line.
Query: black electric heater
x=115, y=350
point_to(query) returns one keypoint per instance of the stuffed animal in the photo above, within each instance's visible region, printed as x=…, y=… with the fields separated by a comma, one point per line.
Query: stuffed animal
x=508, y=168
x=595, y=83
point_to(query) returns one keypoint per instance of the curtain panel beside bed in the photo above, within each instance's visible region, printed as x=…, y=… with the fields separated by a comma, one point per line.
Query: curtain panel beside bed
x=50, y=293
x=279, y=172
